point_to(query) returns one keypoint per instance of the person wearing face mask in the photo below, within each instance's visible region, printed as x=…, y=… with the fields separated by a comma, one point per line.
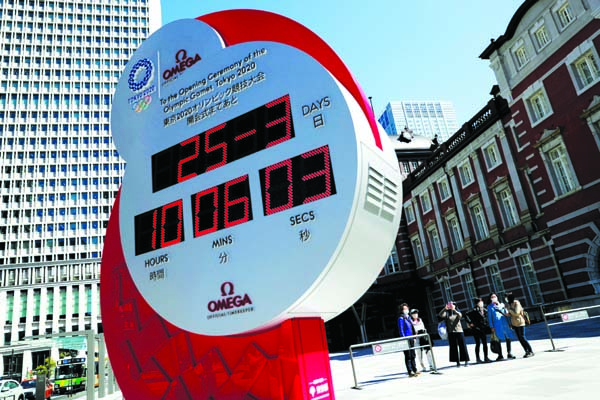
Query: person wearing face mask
x=420, y=328
x=477, y=319
x=518, y=322
x=407, y=329
x=497, y=318
x=456, y=336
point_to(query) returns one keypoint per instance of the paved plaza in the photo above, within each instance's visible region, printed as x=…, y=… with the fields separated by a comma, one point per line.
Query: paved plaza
x=570, y=373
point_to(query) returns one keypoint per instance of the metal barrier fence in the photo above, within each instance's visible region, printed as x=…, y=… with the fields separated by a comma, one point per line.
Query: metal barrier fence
x=576, y=314
x=391, y=346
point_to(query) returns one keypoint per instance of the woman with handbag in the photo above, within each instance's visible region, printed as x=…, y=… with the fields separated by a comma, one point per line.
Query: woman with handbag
x=420, y=328
x=497, y=318
x=456, y=336
x=518, y=322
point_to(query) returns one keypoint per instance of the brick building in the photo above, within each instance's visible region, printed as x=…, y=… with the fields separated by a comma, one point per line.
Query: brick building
x=511, y=202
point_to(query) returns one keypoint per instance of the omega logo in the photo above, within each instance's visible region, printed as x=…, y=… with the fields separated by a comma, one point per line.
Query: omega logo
x=182, y=62
x=228, y=299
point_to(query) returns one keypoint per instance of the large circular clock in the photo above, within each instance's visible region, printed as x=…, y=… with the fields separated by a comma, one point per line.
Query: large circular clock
x=255, y=190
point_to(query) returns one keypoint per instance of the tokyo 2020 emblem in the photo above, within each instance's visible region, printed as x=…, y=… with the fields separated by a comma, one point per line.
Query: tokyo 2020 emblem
x=140, y=75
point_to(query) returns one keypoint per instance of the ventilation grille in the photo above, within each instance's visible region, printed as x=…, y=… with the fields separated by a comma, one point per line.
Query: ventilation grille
x=382, y=195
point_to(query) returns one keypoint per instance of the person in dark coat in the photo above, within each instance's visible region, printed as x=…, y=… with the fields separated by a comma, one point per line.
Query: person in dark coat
x=456, y=336
x=477, y=319
x=407, y=329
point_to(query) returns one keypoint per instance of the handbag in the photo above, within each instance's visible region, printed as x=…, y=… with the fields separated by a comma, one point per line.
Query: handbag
x=526, y=317
x=495, y=344
x=442, y=330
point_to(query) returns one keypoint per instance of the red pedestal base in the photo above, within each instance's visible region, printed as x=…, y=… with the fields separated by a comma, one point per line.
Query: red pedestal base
x=153, y=359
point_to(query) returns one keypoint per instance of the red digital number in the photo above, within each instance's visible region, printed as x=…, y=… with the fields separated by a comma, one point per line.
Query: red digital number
x=324, y=172
x=172, y=225
x=196, y=141
x=273, y=190
x=285, y=119
x=210, y=149
x=228, y=205
x=199, y=214
x=244, y=200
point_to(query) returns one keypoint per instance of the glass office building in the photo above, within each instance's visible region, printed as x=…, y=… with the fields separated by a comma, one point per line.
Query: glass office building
x=424, y=118
x=60, y=61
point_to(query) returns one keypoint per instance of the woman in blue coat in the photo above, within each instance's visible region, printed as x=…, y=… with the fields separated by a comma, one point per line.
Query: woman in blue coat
x=497, y=317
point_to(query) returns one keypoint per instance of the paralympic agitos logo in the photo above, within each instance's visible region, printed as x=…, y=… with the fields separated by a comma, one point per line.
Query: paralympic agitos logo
x=229, y=299
x=182, y=61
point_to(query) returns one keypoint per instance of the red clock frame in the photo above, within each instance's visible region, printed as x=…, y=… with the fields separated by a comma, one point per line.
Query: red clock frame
x=154, y=359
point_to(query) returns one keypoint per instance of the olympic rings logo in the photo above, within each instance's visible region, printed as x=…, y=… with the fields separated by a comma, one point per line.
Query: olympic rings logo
x=142, y=66
x=142, y=104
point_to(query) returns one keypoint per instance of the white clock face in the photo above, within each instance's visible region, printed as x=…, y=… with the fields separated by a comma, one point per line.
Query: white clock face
x=244, y=170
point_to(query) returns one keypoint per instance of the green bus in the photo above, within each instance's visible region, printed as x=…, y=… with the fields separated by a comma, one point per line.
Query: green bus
x=70, y=375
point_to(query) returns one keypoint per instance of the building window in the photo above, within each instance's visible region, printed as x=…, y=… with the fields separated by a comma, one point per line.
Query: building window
x=507, y=208
x=410, y=213
x=10, y=305
x=466, y=174
x=50, y=304
x=479, y=222
x=531, y=282
x=496, y=280
x=469, y=288
x=418, y=251
x=542, y=38
x=425, y=202
x=434, y=240
x=585, y=69
x=561, y=170
x=447, y=290
x=492, y=156
x=565, y=15
x=393, y=264
x=520, y=54
x=444, y=189
x=538, y=106
x=455, y=233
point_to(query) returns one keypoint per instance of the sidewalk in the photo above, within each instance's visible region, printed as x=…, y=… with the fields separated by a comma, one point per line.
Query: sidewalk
x=570, y=373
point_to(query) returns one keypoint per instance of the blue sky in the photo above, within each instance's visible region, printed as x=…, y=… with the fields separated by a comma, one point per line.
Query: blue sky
x=397, y=49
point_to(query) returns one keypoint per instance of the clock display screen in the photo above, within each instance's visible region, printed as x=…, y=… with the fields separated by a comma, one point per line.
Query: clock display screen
x=221, y=206
x=297, y=180
x=159, y=228
x=256, y=130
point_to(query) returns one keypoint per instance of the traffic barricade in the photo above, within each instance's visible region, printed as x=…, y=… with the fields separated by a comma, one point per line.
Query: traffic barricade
x=391, y=346
x=566, y=316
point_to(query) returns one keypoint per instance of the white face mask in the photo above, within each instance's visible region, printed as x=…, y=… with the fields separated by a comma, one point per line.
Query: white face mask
x=494, y=299
x=405, y=312
x=480, y=304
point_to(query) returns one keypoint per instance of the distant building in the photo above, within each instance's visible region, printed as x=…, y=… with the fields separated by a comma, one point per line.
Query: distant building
x=424, y=118
x=59, y=65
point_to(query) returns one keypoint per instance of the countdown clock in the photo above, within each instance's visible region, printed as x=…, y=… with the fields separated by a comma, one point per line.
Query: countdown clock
x=256, y=189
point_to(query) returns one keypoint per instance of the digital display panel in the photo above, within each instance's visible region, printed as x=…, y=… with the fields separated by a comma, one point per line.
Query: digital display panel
x=159, y=228
x=297, y=180
x=222, y=206
x=256, y=130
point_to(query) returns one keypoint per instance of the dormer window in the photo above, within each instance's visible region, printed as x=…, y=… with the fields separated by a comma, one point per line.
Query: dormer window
x=564, y=14
x=542, y=38
x=520, y=54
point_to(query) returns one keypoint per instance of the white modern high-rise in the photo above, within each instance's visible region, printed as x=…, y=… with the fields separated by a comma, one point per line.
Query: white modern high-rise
x=424, y=118
x=60, y=61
